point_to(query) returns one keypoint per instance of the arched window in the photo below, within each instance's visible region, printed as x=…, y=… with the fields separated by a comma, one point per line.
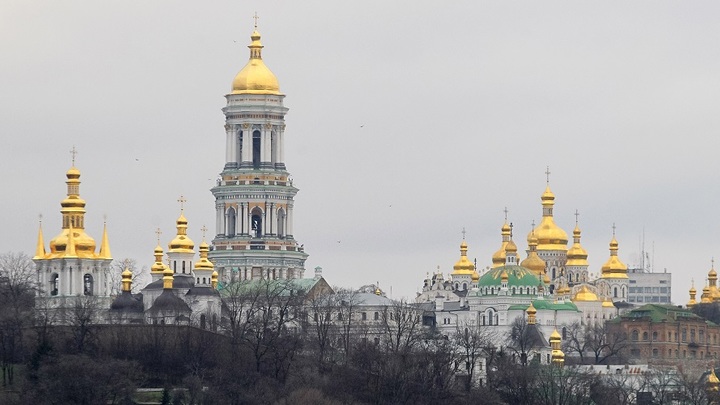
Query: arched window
x=464, y=286
x=231, y=217
x=281, y=223
x=376, y=316
x=645, y=336
x=256, y=158
x=256, y=223
x=615, y=292
x=634, y=336
x=88, y=284
x=202, y=321
x=54, y=284
x=655, y=336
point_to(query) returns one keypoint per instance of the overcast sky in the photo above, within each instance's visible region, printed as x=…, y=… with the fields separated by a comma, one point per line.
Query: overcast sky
x=408, y=121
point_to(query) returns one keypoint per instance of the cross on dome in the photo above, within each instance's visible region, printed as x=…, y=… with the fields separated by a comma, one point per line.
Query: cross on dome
x=182, y=202
x=547, y=175
x=158, y=232
x=506, y=212
x=203, y=229
x=74, y=153
x=613, y=229
x=255, y=17
x=463, y=232
x=577, y=214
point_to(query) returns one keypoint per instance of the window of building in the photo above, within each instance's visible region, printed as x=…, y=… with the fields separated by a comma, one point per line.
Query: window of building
x=376, y=316
x=634, y=335
x=655, y=336
x=684, y=336
x=655, y=352
x=645, y=336
x=364, y=316
x=692, y=335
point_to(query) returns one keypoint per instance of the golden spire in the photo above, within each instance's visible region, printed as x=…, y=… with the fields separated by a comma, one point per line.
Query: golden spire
x=706, y=297
x=557, y=355
x=40, y=248
x=214, y=279
x=255, y=77
x=158, y=267
x=105, y=245
x=70, y=249
x=531, y=311
x=693, y=293
x=126, y=280
x=614, y=268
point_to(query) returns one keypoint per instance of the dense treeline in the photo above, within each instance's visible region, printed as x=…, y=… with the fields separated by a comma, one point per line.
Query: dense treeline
x=277, y=345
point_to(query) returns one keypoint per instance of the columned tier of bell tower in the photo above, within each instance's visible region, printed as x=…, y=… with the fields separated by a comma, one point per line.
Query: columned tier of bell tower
x=254, y=196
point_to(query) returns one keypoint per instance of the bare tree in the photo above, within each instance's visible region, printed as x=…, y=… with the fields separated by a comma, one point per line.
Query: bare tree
x=523, y=338
x=140, y=276
x=82, y=313
x=472, y=343
x=401, y=325
x=17, y=291
x=321, y=325
x=262, y=316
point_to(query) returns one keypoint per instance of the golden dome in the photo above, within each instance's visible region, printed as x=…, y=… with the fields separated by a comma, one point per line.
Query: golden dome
x=158, y=266
x=168, y=278
x=73, y=216
x=585, y=295
x=214, y=279
x=549, y=235
x=511, y=247
x=576, y=255
x=204, y=263
x=255, y=77
x=504, y=276
x=475, y=276
x=607, y=303
x=126, y=279
x=531, y=310
x=614, y=268
x=463, y=266
x=533, y=261
x=712, y=378
x=555, y=336
x=498, y=258
x=706, y=297
x=181, y=242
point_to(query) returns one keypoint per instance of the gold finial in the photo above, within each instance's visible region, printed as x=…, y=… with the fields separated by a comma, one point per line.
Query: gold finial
x=182, y=202
x=105, y=243
x=463, y=232
x=158, y=232
x=547, y=175
x=73, y=152
x=203, y=229
x=255, y=17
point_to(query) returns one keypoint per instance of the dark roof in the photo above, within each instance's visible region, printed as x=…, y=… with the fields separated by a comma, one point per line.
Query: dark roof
x=167, y=301
x=125, y=302
x=179, y=281
x=207, y=290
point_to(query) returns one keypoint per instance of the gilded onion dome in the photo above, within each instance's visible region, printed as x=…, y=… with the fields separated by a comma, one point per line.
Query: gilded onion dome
x=203, y=263
x=158, y=267
x=463, y=266
x=498, y=258
x=693, y=293
x=255, y=77
x=614, y=268
x=549, y=235
x=475, y=276
x=531, y=313
x=585, y=295
x=73, y=215
x=214, y=279
x=533, y=261
x=713, y=381
x=607, y=303
x=576, y=255
x=706, y=298
x=181, y=242
x=126, y=280
x=557, y=355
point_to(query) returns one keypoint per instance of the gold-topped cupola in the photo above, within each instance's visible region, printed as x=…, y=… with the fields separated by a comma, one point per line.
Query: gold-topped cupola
x=463, y=266
x=533, y=261
x=255, y=77
x=498, y=258
x=550, y=236
x=73, y=216
x=614, y=268
x=181, y=243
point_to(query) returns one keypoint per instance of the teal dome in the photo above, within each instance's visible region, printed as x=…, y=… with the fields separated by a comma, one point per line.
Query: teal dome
x=518, y=276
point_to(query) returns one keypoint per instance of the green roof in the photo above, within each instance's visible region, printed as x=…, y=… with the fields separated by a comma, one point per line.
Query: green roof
x=660, y=313
x=280, y=287
x=518, y=276
x=547, y=305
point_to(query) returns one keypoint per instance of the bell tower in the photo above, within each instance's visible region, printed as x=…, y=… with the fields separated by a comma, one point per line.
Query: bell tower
x=254, y=194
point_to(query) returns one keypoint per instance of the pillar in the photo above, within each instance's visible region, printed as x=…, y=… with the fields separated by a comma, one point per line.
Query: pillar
x=246, y=159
